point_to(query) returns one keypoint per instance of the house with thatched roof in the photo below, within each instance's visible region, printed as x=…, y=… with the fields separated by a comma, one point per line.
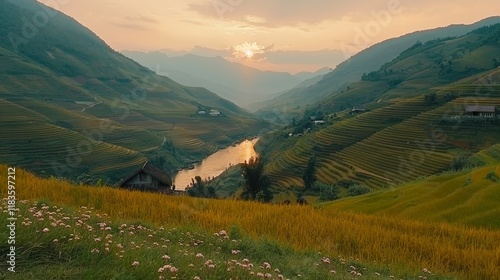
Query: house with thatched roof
x=480, y=110
x=148, y=178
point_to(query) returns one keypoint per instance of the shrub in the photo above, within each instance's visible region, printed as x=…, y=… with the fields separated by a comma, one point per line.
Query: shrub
x=327, y=192
x=458, y=162
x=355, y=190
x=492, y=176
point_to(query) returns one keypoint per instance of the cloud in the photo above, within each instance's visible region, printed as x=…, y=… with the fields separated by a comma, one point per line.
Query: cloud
x=195, y=22
x=279, y=13
x=131, y=26
x=142, y=18
x=251, y=51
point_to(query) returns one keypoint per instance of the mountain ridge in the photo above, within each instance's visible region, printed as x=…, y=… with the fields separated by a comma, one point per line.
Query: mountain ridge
x=234, y=81
x=365, y=61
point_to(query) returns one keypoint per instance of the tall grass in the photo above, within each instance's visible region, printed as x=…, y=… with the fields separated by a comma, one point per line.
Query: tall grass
x=471, y=253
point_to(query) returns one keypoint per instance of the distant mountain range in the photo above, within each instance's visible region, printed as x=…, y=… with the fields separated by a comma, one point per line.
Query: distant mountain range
x=352, y=69
x=236, y=82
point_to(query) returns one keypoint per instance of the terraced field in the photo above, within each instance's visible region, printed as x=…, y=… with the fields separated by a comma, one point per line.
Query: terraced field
x=329, y=142
x=396, y=143
x=61, y=149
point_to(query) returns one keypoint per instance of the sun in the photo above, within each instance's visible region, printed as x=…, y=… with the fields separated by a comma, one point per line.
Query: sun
x=248, y=53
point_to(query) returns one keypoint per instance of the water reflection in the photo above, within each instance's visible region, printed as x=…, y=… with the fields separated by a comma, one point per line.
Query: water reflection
x=216, y=163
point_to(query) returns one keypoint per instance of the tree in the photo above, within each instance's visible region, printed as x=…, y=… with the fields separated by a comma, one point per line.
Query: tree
x=496, y=63
x=327, y=192
x=256, y=183
x=309, y=176
x=430, y=98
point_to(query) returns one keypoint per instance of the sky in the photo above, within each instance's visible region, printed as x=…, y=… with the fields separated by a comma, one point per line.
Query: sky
x=280, y=35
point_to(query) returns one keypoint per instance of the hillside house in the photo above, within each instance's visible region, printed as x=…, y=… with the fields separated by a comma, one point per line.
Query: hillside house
x=148, y=178
x=357, y=110
x=480, y=111
x=202, y=112
x=214, y=113
x=319, y=122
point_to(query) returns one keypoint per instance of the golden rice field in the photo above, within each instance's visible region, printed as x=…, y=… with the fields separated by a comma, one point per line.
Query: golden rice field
x=451, y=249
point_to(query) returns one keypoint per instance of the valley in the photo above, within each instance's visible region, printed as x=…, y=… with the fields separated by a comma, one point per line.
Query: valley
x=176, y=160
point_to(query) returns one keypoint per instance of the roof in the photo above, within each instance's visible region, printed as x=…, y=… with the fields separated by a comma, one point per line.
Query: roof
x=480, y=108
x=150, y=169
x=359, y=108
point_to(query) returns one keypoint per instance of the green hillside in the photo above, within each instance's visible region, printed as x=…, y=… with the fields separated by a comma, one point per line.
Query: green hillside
x=466, y=197
x=68, y=100
x=412, y=127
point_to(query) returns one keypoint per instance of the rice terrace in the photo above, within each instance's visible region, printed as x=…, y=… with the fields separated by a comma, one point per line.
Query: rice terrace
x=249, y=140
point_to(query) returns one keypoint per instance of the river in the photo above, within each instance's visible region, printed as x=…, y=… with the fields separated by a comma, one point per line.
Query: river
x=216, y=163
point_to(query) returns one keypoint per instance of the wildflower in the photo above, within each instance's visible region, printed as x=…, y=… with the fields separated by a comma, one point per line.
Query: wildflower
x=55, y=240
x=260, y=274
x=95, y=251
x=377, y=274
x=135, y=264
x=199, y=255
x=196, y=278
x=45, y=230
x=266, y=265
x=268, y=275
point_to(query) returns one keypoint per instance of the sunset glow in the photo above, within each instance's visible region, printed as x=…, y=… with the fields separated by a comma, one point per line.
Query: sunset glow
x=249, y=53
x=341, y=28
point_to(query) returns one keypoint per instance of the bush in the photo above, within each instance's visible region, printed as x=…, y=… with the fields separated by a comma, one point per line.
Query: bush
x=327, y=192
x=458, y=162
x=355, y=190
x=492, y=176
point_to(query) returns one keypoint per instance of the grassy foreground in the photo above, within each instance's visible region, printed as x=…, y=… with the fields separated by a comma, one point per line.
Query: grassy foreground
x=62, y=243
x=282, y=235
